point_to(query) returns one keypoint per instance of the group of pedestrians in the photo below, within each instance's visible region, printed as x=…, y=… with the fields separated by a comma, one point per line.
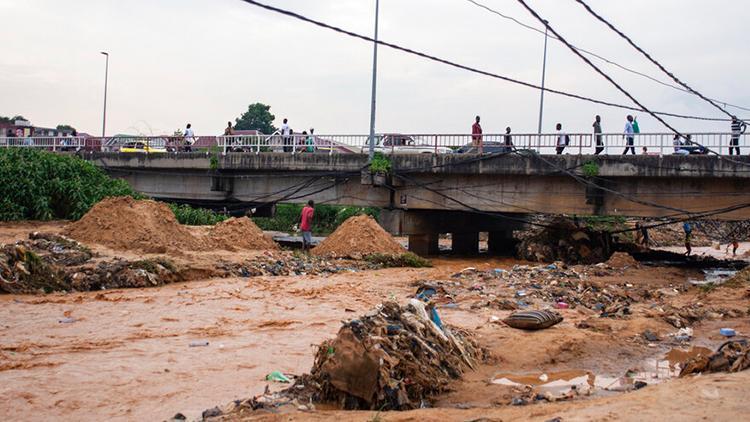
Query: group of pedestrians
x=683, y=145
x=288, y=138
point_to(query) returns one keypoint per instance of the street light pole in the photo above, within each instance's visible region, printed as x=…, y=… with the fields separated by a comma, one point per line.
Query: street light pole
x=106, y=75
x=374, y=82
x=544, y=70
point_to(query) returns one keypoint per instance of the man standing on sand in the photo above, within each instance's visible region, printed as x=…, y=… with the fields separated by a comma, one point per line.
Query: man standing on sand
x=476, y=135
x=305, y=224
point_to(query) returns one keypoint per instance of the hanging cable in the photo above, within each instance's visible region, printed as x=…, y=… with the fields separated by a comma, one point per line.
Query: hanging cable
x=590, y=53
x=469, y=68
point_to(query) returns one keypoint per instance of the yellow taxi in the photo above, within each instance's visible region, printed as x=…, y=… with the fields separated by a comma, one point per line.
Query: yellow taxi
x=142, y=148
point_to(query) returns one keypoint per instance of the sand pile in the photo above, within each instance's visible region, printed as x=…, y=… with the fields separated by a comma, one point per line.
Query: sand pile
x=240, y=233
x=622, y=260
x=126, y=223
x=358, y=237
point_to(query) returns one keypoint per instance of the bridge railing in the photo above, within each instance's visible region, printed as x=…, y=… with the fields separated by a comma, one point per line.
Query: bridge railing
x=52, y=143
x=574, y=143
x=669, y=143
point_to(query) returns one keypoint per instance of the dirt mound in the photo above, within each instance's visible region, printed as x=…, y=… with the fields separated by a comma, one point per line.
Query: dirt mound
x=358, y=237
x=622, y=260
x=240, y=233
x=125, y=223
x=563, y=240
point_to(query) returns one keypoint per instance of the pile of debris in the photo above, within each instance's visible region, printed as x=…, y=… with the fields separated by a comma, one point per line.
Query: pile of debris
x=47, y=263
x=563, y=240
x=287, y=264
x=732, y=356
x=357, y=238
x=125, y=223
x=393, y=358
x=240, y=233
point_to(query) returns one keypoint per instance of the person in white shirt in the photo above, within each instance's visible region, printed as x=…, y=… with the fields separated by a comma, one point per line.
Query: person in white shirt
x=678, y=149
x=562, y=139
x=189, y=138
x=286, y=136
x=629, y=136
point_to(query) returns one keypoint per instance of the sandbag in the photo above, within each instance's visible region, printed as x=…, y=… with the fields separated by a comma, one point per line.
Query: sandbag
x=533, y=320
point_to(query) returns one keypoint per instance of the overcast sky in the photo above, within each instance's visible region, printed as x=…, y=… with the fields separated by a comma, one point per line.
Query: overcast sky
x=204, y=61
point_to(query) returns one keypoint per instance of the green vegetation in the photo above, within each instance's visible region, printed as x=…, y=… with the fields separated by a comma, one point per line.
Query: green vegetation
x=39, y=185
x=327, y=217
x=407, y=259
x=257, y=117
x=590, y=169
x=380, y=164
x=196, y=216
x=604, y=223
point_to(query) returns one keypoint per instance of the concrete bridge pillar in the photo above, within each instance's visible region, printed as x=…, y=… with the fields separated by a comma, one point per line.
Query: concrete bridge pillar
x=465, y=243
x=502, y=243
x=424, y=244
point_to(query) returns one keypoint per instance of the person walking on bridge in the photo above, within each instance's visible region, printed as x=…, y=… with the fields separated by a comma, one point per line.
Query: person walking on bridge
x=629, y=136
x=562, y=139
x=305, y=224
x=188, y=138
x=738, y=128
x=598, y=135
x=476, y=135
x=286, y=136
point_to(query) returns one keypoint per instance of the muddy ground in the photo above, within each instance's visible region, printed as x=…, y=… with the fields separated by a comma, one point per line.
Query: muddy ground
x=126, y=354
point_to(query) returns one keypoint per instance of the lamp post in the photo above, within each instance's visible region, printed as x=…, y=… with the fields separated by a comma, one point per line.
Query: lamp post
x=106, y=74
x=544, y=70
x=374, y=83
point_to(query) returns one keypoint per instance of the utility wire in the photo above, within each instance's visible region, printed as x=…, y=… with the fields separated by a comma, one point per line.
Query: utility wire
x=469, y=68
x=590, y=53
x=651, y=59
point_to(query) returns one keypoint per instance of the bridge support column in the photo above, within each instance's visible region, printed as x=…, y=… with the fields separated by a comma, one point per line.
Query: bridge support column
x=465, y=243
x=502, y=243
x=424, y=244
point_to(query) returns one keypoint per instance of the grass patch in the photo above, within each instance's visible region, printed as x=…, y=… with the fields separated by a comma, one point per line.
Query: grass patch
x=407, y=259
x=190, y=216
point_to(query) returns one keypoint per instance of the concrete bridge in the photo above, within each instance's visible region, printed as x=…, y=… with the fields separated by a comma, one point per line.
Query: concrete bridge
x=427, y=194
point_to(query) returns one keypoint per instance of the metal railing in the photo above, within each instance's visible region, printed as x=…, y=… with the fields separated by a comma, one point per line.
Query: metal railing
x=574, y=143
x=52, y=143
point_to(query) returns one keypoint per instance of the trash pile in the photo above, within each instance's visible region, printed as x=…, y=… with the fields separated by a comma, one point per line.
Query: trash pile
x=240, y=233
x=564, y=241
x=732, y=356
x=393, y=358
x=357, y=238
x=125, y=223
x=47, y=263
x=287, y=264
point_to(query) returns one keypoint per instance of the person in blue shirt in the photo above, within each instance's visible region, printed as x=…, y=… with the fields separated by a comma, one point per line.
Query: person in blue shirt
x=688, y=236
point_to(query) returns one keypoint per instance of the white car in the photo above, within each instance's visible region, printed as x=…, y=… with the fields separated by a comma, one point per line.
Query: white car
x=394, y=143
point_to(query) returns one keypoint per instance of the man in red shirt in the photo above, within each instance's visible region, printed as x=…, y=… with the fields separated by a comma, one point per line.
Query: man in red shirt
x=306, y=224
x=476, y=135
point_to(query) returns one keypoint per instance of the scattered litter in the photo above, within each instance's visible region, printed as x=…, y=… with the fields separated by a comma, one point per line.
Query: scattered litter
x=67, y=320
x=727, y=332
x=533, y=320
x=277, y=376
x=732, y=356
x=202, y=343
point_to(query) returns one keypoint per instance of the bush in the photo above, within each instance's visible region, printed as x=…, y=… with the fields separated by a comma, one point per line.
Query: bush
x=380, y=164
x=190, y=216
x=40, y=185
x=327, y=217
x=407, y=259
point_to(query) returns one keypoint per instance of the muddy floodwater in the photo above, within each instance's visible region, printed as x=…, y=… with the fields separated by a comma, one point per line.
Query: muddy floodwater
x=149, y=353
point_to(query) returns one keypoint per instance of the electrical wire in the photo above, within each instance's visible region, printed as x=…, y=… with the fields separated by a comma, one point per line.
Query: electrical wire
x=650, y=58
x=590, y=53
x=469, y=68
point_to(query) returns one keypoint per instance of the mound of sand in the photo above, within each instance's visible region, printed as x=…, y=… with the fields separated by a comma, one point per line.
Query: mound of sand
x=240, y=233
x=358, y=237
x=125, y=223
x=622, y=260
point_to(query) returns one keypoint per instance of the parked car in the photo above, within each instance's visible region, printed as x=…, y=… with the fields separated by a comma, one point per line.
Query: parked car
x=142, y=148
x=394, y=143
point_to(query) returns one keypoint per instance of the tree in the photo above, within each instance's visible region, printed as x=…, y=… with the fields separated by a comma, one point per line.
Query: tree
x=258, y=116
x=65, y=128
